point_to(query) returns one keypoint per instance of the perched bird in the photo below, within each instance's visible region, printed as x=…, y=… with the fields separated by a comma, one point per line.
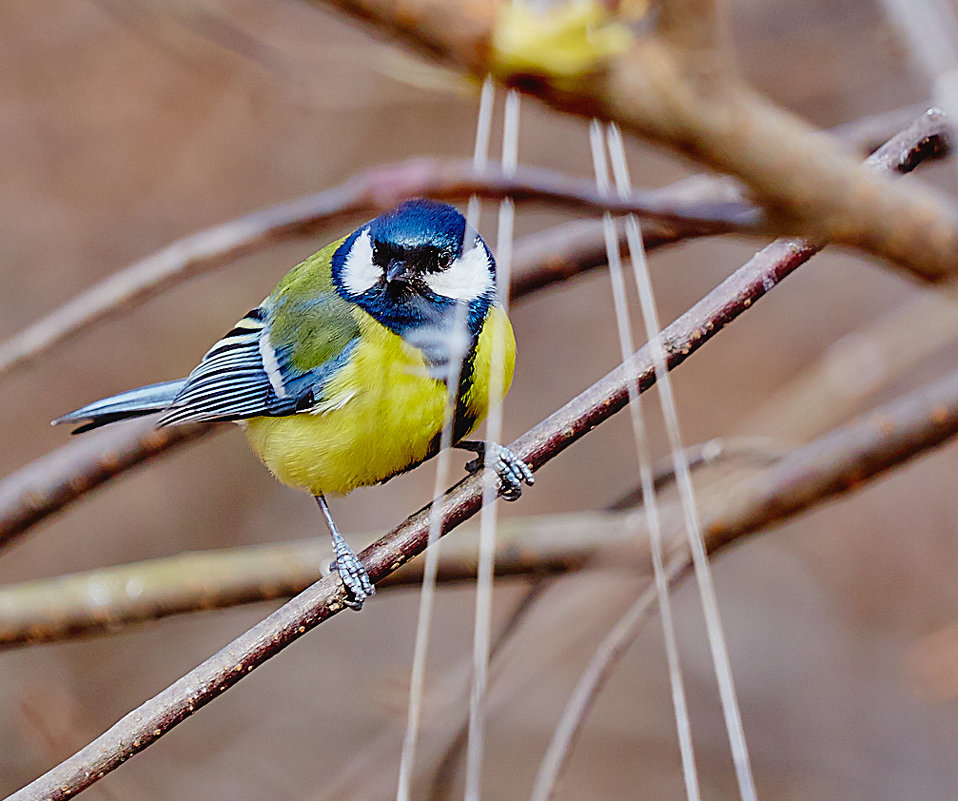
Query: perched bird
x=340, y=377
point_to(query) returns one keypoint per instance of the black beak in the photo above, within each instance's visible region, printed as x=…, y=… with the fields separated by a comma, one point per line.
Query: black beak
x=396, y=271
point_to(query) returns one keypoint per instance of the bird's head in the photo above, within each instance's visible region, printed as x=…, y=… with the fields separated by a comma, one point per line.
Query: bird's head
x=413, y=267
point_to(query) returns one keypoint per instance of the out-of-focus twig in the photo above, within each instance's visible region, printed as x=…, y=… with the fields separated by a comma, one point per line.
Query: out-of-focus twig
x=366, y=194
x=857, y=366
x=658, y=88
x=144, y=725
x=55, y=480
x=114, y=598
x=839, y=461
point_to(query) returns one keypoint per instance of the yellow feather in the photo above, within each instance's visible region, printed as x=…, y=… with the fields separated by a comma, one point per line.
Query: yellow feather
x=382, y=412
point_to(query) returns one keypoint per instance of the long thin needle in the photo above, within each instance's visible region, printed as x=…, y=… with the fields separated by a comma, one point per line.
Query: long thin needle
x=693, y=526
x=458, y=346
x=488, y=515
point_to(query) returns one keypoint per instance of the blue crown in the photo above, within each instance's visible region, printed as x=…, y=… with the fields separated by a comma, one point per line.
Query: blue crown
x=420, y=222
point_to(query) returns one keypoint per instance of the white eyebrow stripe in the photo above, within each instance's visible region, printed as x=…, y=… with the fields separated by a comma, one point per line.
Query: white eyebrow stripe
x=359, y=273
x=467, y=278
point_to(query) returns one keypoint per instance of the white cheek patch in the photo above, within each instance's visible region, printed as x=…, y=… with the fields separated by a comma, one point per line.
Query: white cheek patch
x=359, y=273
x=467, y=278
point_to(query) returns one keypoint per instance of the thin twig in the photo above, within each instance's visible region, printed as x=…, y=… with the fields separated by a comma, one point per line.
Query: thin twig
x=606, y=657
x=555, y=254
x=834, y=464
x=857, y=366
x=54, y=481
x=143, y=726
x=365, y=194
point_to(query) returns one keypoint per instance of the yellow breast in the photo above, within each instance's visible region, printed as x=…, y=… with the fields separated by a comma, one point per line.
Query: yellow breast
x=381, y=414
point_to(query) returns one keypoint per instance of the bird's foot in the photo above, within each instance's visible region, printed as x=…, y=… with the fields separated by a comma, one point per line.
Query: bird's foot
x=513, y=472
x=352, y=573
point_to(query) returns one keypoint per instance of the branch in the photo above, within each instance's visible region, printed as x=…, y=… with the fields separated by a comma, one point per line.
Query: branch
x=858, y=366
x=54, y=481
x=53, y=609
x=551, y=255
x=808, y=476
x=590, y=65
x=669, y=215
x=44, y=610
x=143, y=726
x=34, y=492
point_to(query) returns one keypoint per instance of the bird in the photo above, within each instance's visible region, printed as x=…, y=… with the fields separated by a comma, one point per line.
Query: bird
x=341, y=377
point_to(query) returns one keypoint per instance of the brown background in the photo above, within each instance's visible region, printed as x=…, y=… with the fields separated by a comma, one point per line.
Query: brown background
x=124, y=125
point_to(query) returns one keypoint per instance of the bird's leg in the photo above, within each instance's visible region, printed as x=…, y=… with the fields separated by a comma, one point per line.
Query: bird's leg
x=347, y=564
x=512, y=471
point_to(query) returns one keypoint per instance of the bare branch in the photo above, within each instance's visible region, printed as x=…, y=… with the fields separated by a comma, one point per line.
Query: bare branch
x=671, y=217
x=836, y=463
x=143, y=726
x=56, y=608
x=858, y=366
x=803, y=178
x=554, y=254
x=53, y=481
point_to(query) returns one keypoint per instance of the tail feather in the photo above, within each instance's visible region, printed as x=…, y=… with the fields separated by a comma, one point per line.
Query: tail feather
x=132, y=403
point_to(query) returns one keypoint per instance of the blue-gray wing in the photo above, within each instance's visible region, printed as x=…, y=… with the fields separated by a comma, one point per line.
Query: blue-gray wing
x=244, y=375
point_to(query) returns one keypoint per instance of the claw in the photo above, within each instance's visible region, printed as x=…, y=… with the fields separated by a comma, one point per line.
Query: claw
x=352, y=574
x=513, y=472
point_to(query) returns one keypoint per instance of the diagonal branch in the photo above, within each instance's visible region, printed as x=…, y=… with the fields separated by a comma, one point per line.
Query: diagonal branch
x=33, y=493
x=143, y=726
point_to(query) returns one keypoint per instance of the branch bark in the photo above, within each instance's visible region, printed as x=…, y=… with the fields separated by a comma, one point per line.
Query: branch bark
x=53, y=609
x=143, y=726
x=126, y=595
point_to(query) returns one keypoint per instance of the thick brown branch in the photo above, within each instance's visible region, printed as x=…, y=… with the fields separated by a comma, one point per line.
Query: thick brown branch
x=653, y=90
x=143, y=726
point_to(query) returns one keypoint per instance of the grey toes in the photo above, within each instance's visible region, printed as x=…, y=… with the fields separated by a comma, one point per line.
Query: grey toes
x=354, y=577
x=512, y=471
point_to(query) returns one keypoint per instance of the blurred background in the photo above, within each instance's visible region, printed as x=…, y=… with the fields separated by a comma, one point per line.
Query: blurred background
x=124, y=126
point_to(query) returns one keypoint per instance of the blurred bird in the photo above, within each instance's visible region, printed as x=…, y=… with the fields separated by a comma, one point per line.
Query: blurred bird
x=340, y=377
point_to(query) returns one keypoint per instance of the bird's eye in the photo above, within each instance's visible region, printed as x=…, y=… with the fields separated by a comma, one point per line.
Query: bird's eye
x=443, y=259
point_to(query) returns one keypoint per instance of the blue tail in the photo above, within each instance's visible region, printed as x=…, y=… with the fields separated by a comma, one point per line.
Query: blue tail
x=132, y=403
